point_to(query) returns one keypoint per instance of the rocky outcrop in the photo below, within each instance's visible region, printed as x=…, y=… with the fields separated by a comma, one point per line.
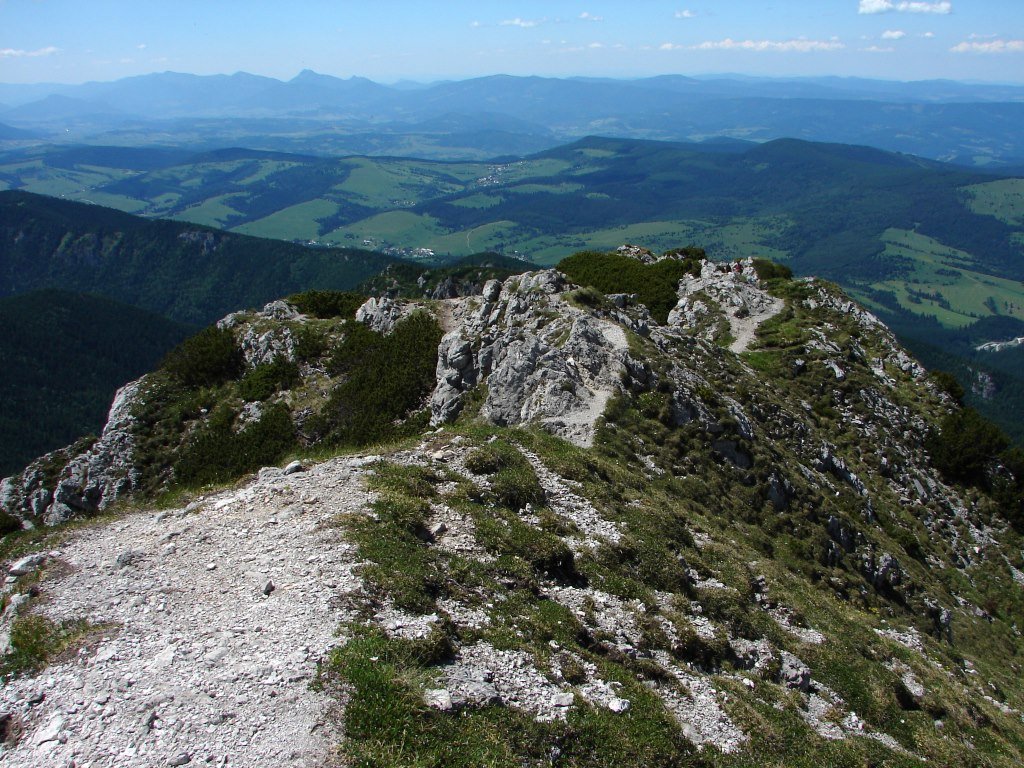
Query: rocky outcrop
x=542, y=359
x=64, y=484
x=983, y=384
x=383, y=314
x=263, y=335
x=735, y=288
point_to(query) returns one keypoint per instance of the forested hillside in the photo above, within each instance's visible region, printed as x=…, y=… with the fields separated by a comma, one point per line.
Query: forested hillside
x=62, y=355
x=189, y=273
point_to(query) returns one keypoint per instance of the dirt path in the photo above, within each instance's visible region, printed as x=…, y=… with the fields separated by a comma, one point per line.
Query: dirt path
x=200, y=666
x=744, y=329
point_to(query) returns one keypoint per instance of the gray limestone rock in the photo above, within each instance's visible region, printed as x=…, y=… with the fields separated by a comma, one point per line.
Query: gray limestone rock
x=543, y=360
x=780, y=491
x=27, y=564
x=618, y=705
x=89, y=481
x=383, y=314
x=438, y=698
x=793, y=673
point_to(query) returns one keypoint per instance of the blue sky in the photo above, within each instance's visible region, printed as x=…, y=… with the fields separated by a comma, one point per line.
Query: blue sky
x=73, y=41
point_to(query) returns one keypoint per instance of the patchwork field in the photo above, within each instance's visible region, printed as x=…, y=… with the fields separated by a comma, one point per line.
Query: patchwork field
x=943, y=242
x=945, y=283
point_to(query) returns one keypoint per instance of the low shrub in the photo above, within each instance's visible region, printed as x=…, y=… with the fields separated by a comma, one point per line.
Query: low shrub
x=8, y=523
x=964, y=446
x=218, y=453
x=326, y=304
x=264, y=380
x=310, y=344
x=206, y=359
x=654, y=284
x=385, y=379
x=947, y=383
x=770, y=270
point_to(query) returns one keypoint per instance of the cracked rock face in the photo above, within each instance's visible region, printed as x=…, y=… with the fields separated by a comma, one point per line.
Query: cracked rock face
x=383, y=314
x=542, y=359
x=89, y=481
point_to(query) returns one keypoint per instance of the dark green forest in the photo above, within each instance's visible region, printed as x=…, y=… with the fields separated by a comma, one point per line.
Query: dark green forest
x=186, y=272
x=63, y=355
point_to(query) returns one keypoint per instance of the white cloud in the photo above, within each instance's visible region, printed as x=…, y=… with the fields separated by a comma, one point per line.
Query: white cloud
x=784, y=46
x=670, y=47
x=877, y=49
x=991, y=46
x=893, y=34
x=687, y=14
x=928, y=35
x=517, y=22
x=18, y=53
x=596, y=45
x=141, y=46
x=475, y=24
x=586, y=16
x=886, y=6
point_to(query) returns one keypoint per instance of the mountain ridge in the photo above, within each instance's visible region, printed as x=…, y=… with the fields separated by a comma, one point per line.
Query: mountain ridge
x=126, y=258
x=972, y=124
x=739, y=550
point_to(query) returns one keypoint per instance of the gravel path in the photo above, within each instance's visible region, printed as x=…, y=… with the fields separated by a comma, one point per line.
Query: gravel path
x=744, y=329
x=203, y=662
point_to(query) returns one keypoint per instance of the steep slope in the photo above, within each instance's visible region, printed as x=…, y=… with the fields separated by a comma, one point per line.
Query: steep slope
x=185, y=272
x=621, y=542
x=63, y=356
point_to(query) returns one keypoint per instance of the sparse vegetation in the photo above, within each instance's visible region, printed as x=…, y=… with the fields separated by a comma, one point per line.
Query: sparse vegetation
x=36, y=640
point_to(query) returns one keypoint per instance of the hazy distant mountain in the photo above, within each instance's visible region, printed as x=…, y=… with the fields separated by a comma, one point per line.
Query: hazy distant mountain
x=971, y=124
x=58, y=107
x=10, y=133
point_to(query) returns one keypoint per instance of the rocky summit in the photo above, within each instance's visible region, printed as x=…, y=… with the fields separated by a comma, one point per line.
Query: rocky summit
x=638, y=511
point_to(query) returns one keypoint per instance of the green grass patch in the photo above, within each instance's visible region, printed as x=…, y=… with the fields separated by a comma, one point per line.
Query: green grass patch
x=1003, y=199
x=387, y=724
x=36, y=640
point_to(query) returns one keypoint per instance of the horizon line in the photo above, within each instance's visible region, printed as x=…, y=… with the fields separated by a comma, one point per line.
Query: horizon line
x=434, y=80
